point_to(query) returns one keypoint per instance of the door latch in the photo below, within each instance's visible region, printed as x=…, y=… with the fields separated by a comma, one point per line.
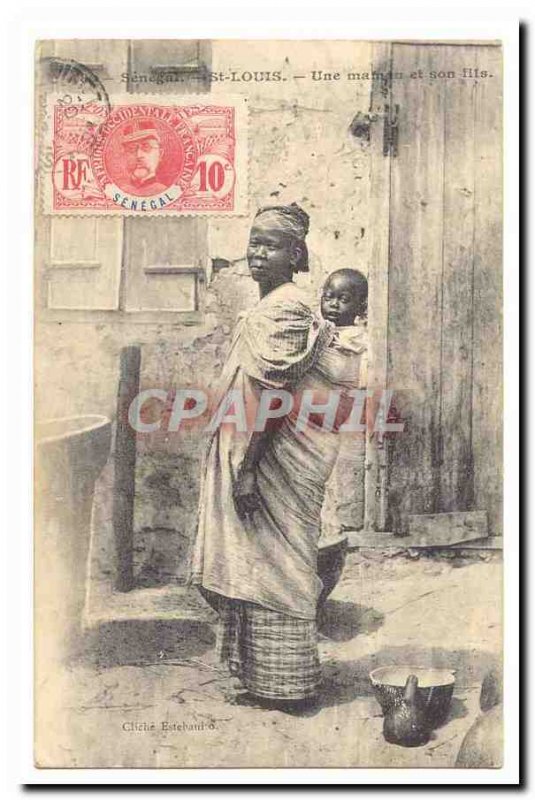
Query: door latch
x=390, y=131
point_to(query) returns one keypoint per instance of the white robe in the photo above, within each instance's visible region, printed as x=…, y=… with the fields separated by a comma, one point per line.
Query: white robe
x=271, y=558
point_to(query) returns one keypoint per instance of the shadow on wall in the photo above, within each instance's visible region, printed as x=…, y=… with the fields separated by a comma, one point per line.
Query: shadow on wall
x=165, y=515
x=167, y=487
x=161, y=557
x=146, y=642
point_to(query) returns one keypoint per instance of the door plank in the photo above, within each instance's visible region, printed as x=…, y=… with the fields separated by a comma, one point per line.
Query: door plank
x=487, y=432
x=376, y=462
x=456, y=468
x=415, y=286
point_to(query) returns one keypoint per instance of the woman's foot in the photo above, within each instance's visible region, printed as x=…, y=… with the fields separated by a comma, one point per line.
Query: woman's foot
x=297, y=708
x=300, y=707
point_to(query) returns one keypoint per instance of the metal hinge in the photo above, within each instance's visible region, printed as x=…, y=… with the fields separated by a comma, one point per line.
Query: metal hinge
x=390, y=131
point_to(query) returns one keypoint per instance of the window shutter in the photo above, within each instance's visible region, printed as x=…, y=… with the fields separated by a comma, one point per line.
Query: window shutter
x=164, y=269
x=83, y=268
x=166, y=259
x=169, y=67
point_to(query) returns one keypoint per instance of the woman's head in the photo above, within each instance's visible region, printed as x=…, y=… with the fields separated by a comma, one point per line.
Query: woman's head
x=277, y=246
x=344, y=297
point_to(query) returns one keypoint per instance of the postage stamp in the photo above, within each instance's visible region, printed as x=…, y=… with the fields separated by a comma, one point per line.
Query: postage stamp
x=152, y=156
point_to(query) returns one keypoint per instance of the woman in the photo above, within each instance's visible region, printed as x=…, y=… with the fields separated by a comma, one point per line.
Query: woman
x=255, y=554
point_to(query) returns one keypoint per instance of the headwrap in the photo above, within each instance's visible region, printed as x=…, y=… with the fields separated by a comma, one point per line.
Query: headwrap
x=291, y=220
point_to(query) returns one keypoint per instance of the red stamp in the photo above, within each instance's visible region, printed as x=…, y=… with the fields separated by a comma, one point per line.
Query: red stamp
x=148, y=158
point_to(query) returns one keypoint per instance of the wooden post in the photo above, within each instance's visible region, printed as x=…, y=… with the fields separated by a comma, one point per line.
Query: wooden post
x=125, y=469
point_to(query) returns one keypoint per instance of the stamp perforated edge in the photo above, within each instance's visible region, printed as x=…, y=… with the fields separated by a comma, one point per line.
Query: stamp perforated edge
x=44, y=133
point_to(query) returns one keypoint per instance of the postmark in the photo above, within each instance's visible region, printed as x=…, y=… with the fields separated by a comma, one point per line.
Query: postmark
x=77, y=87
x=75, y=83
x=176, y=156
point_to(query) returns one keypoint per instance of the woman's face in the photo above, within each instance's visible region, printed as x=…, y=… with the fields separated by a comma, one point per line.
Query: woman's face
x=271, y=255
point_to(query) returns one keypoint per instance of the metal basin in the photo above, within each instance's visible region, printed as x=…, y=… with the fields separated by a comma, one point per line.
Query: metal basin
x=69, y=455
x=435, y=688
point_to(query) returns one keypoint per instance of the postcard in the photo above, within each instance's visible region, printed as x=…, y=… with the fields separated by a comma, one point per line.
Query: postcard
x=268, y=393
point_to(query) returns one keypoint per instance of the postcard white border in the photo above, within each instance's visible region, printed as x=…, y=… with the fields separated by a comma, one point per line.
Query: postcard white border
x=277, y=19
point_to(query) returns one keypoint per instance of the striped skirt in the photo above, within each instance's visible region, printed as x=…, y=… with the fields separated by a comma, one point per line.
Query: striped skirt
x=274, y=655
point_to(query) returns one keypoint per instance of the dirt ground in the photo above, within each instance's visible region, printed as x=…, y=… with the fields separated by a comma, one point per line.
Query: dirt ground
x=148, y=692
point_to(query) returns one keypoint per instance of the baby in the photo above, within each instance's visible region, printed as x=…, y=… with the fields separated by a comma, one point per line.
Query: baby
x=344, y=302
x=344, y=297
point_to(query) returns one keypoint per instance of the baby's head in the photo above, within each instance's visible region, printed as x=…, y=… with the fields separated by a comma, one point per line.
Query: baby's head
x=344, y=297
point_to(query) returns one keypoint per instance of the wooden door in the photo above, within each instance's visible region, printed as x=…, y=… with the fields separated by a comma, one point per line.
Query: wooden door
x=436, y=282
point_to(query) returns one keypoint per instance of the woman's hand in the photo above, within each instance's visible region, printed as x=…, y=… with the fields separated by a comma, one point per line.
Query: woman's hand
x=245, y=494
